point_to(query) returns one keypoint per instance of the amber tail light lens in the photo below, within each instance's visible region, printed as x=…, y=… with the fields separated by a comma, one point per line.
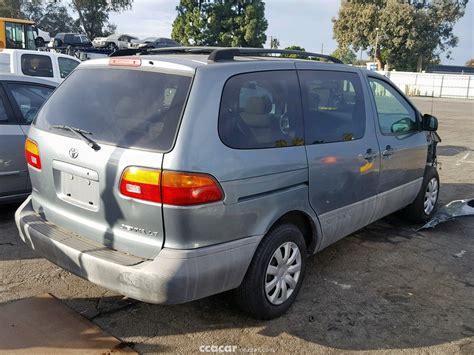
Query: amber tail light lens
x=32, y=154
x=170, y=187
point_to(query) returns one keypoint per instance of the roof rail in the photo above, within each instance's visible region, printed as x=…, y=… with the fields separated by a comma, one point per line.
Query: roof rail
x=220, y=54
x=223, y=54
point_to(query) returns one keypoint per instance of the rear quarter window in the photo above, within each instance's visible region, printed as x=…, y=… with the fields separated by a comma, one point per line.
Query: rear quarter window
x=37, y=65
x=121, y=107
x=261, y=110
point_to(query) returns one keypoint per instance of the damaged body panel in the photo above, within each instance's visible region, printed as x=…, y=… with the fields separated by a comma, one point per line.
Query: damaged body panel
x=457, y=208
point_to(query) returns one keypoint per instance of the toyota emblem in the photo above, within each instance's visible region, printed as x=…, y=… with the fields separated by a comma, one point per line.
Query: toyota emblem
x=73, y=153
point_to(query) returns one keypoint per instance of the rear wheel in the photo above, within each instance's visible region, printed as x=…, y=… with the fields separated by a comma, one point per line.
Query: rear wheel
x=423, y=208
x=275, y=274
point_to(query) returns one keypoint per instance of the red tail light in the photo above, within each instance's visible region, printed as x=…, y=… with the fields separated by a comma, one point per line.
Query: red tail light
x=170, y=187
x=125, y=62
x=32, y=154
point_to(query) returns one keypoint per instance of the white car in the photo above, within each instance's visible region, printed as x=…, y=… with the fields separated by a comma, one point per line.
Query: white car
x=48, y=65
x=42, y=38
x=115, y=41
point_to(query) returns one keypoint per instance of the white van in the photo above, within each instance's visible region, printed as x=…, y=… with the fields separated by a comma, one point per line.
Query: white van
x=53, y=66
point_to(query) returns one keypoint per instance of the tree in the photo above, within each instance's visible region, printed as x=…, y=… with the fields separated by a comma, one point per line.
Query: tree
x=11, y=8
x=345, y=54
x=94, y=15
x=229, y=23
x=411, y=34
x=294, y=48
x=470, y=63
x=52, y=17
x=274, y=43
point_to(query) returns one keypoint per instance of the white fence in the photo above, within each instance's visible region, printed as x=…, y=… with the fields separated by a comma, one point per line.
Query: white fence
x=433, y=85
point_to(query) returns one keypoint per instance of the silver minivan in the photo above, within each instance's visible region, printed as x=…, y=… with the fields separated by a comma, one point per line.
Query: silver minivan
x=185, y=172
x=20, y=99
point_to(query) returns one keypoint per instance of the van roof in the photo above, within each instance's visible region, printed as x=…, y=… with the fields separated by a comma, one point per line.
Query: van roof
x=17, y=20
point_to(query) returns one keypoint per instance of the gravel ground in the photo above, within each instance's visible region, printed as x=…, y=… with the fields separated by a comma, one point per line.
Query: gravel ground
x=384, y=289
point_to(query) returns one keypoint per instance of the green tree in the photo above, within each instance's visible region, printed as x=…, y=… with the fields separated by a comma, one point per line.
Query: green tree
x=345, y=54
x=274, y=43
x=52, y=17
x=294, y=48
x=470, y=63
x=94, y=15
x=411, y=34
x=11, y=8
x=230, y=23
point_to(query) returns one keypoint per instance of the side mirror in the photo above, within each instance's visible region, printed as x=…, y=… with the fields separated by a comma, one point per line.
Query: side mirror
x=429, y=123
x=402, y=126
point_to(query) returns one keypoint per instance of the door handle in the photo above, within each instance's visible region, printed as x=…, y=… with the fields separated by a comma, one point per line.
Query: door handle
x=370, y=155
x=387, y=152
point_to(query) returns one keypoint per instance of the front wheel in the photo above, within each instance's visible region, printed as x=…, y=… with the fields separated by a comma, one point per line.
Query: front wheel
x=423, y=208
x=275, y=274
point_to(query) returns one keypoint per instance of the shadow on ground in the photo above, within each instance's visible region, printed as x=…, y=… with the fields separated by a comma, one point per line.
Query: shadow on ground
x=384, y=287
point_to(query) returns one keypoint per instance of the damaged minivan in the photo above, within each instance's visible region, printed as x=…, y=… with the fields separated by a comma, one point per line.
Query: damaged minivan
x=181, y=173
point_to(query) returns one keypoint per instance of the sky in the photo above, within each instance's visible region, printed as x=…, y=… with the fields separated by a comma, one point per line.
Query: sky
x=306, y=23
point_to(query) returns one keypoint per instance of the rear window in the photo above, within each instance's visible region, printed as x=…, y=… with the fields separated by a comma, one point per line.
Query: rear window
x=37, y=65
x=122, y=107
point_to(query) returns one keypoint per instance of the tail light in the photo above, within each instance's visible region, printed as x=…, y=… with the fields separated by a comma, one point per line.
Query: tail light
x=32, y=154
x=125, y=62
x=170, y=187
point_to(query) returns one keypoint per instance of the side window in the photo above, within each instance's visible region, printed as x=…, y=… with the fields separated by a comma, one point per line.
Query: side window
x=333, y=104
x=66, y=66
x=28, y=99
x=261, y=110
x=396, y=115
x=3, y=112
x=15, y=35
x=37, y=65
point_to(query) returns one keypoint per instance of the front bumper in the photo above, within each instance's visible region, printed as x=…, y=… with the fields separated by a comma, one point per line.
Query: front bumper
x=174, y=276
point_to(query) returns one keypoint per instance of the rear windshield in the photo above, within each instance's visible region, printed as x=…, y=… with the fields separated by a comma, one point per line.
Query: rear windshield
x=122, y=107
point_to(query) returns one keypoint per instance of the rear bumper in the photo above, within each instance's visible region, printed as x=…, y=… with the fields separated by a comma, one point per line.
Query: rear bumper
x=174, y=276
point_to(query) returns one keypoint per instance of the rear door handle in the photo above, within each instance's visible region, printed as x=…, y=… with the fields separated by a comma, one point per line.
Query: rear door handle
x=388, y=151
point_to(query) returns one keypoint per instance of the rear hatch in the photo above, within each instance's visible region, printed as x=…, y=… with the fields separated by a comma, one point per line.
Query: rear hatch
x=132, y=113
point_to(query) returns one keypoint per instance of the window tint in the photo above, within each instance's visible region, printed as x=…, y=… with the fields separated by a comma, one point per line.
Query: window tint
x=121, y=107
x=261, y=110
x=15, y=35
x=66, y=66
x=333, y=104
x=29, y=99
x=396, y=115
x=37, y=65
x=3, y=112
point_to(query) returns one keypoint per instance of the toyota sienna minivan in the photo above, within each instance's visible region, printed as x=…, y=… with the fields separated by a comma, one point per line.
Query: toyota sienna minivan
x=180, y=173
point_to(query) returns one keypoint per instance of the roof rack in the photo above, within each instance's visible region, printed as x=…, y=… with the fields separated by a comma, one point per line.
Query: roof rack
x=223, y=54
x=220, y=54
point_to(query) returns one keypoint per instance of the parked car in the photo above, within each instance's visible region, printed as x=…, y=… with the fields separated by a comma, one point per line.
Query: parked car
x=115, y=41
x=188, y=175
x=154, y=42
x=70, y=39
x=41, y=38
x=20, y=99
x=49, y=65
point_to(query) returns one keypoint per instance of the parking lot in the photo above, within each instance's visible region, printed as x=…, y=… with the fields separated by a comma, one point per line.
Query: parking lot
x=385, y=288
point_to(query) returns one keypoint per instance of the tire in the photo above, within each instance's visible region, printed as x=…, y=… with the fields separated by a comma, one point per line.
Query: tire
x=39, y=42
x=417, y=211
x=251, y=296
x=112, y=46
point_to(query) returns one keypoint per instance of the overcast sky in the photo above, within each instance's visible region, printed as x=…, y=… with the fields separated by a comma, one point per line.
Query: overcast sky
x=301, y=22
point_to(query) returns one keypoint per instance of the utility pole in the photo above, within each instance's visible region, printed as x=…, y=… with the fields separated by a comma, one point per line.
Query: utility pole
x=322, y=48
x=376, y=43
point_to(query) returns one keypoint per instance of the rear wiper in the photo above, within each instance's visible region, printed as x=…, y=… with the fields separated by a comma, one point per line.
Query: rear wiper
x=81, y=134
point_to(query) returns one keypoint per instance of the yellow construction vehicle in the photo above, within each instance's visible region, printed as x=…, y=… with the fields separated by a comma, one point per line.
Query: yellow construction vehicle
x=17, y=33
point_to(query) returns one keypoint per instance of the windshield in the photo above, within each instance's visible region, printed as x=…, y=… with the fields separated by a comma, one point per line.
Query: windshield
x=19, y=36
x=122, y=107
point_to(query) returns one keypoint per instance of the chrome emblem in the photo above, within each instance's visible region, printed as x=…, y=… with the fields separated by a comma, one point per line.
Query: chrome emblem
x=73, y=153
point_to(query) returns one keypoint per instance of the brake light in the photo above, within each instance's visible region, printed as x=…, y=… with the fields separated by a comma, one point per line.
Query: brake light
x=125, y=62
x=170, y=187
x=185, y=189
x=32, y=154
x=141, y=183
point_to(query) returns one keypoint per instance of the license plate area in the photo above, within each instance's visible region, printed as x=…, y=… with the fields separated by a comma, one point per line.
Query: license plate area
x=77, y=186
